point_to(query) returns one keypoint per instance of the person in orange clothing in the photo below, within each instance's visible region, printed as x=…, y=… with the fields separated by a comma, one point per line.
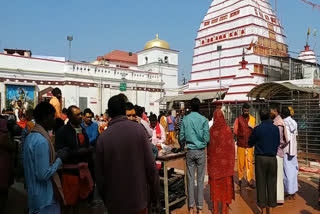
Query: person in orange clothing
x=103, y=123
x=56, y=102
x=74, y=139
x=171, y=120
x=243, y=127
x=163, y=122
x=23, y=121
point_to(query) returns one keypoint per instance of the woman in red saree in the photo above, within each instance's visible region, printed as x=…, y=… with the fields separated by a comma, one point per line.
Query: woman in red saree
x=221, y=160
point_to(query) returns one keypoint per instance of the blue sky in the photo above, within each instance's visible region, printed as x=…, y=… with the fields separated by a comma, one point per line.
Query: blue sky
x=100, y=26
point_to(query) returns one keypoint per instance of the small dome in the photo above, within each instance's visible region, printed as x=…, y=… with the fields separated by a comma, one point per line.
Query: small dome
x=157, y=43
x=308, y=55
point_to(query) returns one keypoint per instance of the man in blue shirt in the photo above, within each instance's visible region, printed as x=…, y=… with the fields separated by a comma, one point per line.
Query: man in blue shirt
x=266, y=139
x=92, y=128
x=41, y=164
x=195, y=131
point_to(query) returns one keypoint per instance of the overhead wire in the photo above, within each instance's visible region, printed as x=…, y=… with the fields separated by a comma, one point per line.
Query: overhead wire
x=314, y=5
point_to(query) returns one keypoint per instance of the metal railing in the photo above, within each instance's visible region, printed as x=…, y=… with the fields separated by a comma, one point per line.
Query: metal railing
x=307, y=115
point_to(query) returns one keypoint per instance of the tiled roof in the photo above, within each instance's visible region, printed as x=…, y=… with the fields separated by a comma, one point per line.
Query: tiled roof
x=120, y=56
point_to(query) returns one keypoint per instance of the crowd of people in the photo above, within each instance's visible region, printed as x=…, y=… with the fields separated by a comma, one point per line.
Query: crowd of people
x=67, y=154
x=62, y=161
x=272, y=143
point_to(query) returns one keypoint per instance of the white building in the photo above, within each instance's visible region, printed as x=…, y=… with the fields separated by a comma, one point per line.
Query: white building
x=157, y=56
x=149, y=75
x=230, y=30
x=308, y=55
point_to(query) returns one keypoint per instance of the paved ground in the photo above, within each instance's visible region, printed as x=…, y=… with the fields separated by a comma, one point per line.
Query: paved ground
x=245, y=202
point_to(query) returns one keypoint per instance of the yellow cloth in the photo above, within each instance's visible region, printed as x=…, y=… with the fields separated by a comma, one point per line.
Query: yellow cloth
x=57, y=105
x=171, y=137
x=245, y=163
x=291, y=111
x=251, y=124
x=252, y=121
x=164, y=124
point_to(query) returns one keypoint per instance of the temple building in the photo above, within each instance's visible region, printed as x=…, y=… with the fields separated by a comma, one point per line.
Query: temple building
x=240, y=45
x=144, y=77
x=233, y=46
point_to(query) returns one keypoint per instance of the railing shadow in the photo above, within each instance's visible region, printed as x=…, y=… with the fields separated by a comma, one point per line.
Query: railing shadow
x=248, y=195
x=309, y=193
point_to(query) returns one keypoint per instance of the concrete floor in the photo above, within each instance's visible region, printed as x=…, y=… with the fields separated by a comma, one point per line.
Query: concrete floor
x=245, y=201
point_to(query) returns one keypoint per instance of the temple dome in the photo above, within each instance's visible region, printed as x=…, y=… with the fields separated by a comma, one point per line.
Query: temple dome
x=157, y=43
x=308, y=55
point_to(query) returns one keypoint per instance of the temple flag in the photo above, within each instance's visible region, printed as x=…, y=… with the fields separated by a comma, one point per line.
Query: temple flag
x=250, y=46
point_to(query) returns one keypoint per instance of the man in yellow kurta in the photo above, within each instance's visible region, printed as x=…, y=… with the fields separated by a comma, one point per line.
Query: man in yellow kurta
x=164, y=124
x=243, y=127
x=56, y=102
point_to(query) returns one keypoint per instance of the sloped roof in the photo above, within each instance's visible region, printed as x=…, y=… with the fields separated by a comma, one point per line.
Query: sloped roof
x=266, y=90
x=120, y=56
x=185, y=97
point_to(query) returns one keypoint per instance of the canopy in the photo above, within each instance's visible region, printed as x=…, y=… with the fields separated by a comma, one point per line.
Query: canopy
x=266, y=90
x=186, y=97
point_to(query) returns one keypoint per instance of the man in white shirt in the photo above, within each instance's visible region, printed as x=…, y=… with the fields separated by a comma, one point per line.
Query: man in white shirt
x=158, y=132
x=290, y=162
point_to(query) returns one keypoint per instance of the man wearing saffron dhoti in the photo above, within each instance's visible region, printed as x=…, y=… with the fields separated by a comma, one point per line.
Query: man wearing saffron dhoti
x=243, y=127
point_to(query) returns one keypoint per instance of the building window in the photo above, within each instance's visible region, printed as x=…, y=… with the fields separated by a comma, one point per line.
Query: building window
x=166, y=59
x=146, y=60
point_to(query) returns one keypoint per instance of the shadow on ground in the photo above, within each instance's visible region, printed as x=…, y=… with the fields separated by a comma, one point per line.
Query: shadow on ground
x=305, y=212
x=247, y=194
x=310, y=194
